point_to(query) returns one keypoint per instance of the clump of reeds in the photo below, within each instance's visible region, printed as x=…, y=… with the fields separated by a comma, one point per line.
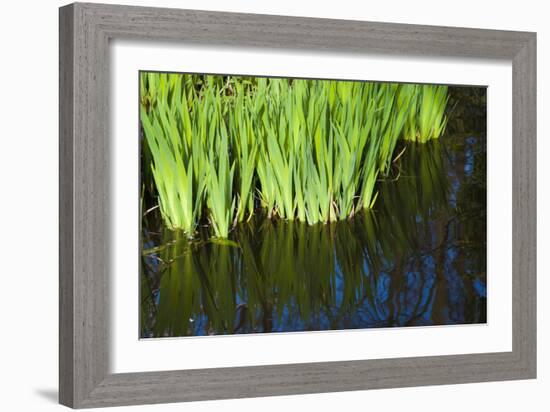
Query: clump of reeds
x=426, y=118
x=221, y=147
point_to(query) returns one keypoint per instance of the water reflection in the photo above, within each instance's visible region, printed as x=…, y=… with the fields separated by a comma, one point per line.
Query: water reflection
x=417, y=259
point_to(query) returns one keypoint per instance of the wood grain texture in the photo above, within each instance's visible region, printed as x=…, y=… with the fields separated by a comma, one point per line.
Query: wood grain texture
x=524, y=225
x=85, y=31
x=66, y=245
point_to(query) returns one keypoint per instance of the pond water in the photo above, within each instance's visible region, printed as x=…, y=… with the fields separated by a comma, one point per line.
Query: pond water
x=418, y=258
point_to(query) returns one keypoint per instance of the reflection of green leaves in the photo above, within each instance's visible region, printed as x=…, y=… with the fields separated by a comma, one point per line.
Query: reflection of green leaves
x=223, y=242
x=421, y=189
x=276, y=275
x=291, y=274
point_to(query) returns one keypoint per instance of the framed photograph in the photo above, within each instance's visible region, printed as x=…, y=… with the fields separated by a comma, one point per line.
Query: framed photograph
x=256, y=205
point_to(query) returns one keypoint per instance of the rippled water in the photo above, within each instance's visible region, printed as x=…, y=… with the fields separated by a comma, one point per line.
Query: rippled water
x=419, y=258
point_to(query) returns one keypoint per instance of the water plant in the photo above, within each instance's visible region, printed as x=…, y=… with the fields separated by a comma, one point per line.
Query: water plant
x=219, y=184
x=246, y=150
x=220, y=148
x=176, y=162
x=426, y=119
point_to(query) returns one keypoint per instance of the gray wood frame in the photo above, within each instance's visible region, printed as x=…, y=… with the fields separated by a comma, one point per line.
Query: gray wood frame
x=85, y=31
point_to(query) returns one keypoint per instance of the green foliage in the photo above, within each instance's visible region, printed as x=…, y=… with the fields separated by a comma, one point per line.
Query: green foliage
x=220, y=147
x=426, y=120
x=176, y=165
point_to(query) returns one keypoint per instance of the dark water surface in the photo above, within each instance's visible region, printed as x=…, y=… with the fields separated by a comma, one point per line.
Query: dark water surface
x=419, y=258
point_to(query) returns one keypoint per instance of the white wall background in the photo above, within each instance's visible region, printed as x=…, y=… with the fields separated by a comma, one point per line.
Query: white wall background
x=28, y=206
